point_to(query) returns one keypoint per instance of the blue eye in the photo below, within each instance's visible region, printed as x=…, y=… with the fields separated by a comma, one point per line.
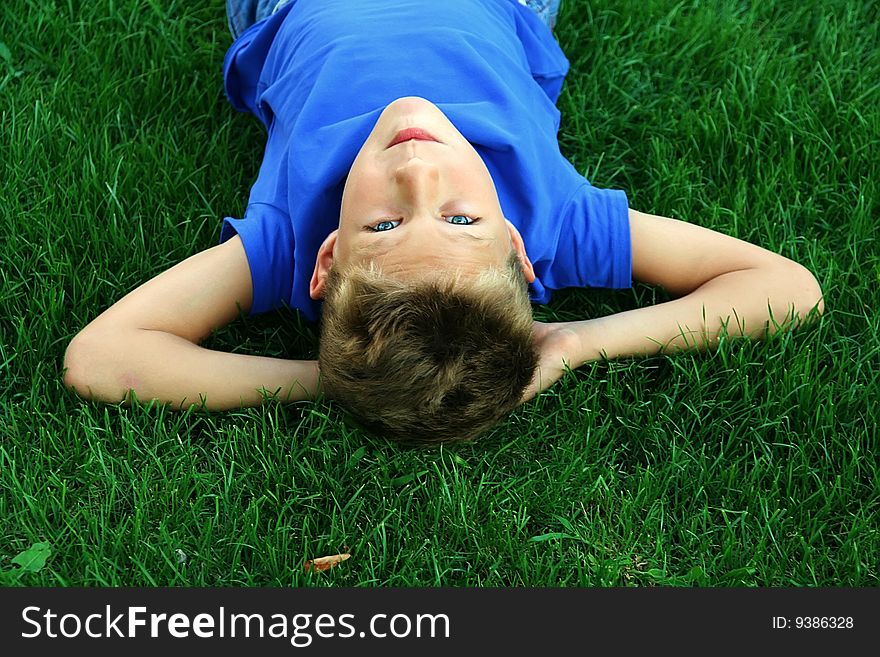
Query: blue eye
x=467, y=222
x=377, y=228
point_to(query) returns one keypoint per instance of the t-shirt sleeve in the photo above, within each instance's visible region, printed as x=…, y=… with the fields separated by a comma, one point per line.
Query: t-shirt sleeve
x=594, y=247
x=266, y=229
x=267, y=237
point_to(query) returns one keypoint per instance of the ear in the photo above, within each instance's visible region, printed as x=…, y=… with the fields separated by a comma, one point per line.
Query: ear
x=520, y=247
x=322, y=266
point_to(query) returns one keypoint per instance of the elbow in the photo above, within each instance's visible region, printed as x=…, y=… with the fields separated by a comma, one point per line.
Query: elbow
x=76, y=366
x=84, y=361
x=808, y=294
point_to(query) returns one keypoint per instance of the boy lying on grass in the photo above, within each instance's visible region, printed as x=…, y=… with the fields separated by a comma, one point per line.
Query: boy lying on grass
x=413, y=199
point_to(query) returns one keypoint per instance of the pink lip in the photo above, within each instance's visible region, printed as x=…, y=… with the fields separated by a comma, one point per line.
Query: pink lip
x=411, y=133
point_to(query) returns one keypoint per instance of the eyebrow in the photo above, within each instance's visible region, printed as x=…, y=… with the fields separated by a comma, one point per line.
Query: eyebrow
x=378, y=246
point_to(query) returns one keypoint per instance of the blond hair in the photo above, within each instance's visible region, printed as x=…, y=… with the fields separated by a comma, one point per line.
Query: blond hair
x=430, y=361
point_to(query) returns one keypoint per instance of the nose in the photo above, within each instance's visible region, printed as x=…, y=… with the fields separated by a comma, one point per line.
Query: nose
x=417, y=180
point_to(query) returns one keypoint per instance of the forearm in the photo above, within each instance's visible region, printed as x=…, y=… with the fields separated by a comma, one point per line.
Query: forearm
x=168, y=368
x=742, y=299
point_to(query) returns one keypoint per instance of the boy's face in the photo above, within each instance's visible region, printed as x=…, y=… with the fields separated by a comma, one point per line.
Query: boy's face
x=419, y=205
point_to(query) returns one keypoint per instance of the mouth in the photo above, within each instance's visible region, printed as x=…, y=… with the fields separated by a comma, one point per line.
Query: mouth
x=409, y=134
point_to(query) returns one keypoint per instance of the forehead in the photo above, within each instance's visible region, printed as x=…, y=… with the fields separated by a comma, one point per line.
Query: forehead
x=469, y=256
x=413, y=266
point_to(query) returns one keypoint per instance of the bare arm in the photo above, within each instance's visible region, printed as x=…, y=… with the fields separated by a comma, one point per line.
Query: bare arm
x=723, y=280
x=148, y=342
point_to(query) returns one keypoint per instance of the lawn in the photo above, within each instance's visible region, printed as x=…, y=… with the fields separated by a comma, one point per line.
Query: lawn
x=753, y=465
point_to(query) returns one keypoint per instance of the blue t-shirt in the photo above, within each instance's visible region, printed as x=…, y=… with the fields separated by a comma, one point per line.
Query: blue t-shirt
x=316, y=73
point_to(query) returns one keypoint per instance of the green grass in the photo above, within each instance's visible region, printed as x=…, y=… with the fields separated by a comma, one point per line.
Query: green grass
x=754, y=465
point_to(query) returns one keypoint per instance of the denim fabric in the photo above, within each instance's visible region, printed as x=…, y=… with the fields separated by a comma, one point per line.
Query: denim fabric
x=546, y=9
x=241, y=14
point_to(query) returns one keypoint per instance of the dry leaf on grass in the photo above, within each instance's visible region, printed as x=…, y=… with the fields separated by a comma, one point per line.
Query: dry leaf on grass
x=326, y=563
